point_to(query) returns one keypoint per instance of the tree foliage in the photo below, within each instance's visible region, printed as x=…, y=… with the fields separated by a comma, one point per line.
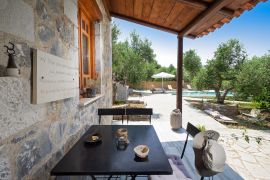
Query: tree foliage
x=220, y=73
x=254, y=80
x=133, y=59
x=192, y=63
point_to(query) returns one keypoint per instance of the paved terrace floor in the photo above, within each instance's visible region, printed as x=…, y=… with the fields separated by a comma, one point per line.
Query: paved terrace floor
x=244, y=160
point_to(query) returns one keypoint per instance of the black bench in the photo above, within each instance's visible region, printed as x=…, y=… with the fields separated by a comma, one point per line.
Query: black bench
x=111, y=112
x=128, y=112
x=139, y=111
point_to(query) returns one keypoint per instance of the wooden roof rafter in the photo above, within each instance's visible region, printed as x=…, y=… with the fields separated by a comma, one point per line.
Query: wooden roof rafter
x=204, y=5
x=107, y=7
x=204, y=16
x=247, y=6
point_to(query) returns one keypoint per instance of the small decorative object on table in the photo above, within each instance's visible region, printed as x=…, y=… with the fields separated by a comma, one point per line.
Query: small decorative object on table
x=141, y=151
x=122, y=138
x=93, y=138
x=176, y=119
x=12, y=69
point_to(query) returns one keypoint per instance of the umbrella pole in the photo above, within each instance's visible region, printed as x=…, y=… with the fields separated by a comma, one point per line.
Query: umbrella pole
x=162, y=83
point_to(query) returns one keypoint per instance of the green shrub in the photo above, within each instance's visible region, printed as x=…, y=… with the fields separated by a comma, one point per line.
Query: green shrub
x=119, y=102
x=201, y=127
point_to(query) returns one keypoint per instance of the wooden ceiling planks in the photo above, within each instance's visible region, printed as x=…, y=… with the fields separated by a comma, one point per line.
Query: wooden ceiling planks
x=130, y=8
x=166, y=10
x=138, y=8
x=174, y=14
x=156, y=11
x=190, y=18
x=147, y=8
x=118, y=6
x=145, y=23
x=95, y=12
x=188, y=14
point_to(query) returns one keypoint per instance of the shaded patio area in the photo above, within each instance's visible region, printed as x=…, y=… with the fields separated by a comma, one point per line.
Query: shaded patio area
x=58, y=73
x=244, y=160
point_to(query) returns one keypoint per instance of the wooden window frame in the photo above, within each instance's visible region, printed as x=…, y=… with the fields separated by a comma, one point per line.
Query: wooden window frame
x=83, y=14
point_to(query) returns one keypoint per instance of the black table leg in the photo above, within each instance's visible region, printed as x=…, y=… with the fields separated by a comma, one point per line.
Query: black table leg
x=133, y=177
x=93, y=177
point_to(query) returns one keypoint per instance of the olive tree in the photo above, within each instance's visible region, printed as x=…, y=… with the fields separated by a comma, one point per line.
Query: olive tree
x=192, y=63
x=220, y=73
x=254, y=80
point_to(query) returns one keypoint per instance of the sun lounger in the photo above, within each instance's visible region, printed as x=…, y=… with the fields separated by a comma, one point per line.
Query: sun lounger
x=158, y=90
x=253, y=113
x=170, y=87
x=219, y=117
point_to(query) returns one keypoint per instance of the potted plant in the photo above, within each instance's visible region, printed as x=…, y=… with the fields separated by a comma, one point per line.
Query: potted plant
x=91, y=88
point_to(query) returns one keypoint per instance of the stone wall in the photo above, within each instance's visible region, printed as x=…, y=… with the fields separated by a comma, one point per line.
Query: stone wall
x=224, y=109
x=156, y=84
x=34, y=137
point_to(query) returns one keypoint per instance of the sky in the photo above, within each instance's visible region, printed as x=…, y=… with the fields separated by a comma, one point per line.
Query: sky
x=252, y=29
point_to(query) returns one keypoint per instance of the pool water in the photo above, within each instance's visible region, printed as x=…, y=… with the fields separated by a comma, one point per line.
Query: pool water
x=201, y=94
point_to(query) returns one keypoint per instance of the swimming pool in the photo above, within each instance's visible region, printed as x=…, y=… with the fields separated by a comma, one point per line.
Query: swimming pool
x=209, y=93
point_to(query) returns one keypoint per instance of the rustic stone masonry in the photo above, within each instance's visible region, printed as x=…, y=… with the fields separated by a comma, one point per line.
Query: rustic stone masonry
x=34, y=137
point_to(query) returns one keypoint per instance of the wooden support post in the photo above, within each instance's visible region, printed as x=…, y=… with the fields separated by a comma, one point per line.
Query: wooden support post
x=179, y=73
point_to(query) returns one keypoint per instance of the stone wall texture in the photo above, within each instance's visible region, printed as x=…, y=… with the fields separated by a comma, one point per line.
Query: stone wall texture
x=226, y=110
x=33, y=138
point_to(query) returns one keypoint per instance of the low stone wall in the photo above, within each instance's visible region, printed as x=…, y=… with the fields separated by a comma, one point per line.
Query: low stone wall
x=224, y=109
x=156, y=84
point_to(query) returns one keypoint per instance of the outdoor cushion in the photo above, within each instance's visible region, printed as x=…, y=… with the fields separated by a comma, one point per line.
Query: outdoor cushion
x=214, y=156
x=210, y=157
x=179, y=170
x=200, y=138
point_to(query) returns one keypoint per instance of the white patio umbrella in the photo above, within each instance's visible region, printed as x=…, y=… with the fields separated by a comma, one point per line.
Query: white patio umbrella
x=163, y=75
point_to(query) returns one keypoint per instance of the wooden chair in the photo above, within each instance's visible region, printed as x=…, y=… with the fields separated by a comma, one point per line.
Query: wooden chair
x=139, y=111
x=111, y=112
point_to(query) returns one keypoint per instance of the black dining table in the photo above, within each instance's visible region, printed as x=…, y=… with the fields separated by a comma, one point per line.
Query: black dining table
x=105, y=158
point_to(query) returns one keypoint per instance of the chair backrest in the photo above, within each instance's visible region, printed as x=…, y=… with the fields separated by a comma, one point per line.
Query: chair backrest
x=111, y=111
x=191, y=130
x=139, y=111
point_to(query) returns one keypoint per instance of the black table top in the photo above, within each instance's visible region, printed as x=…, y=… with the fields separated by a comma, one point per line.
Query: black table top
x=106, y=159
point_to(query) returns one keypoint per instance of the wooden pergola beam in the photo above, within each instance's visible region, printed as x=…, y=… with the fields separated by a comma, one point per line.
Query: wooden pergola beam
x=204, y=16
x=107, y=8
x=204, y=5
x=145, y=23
